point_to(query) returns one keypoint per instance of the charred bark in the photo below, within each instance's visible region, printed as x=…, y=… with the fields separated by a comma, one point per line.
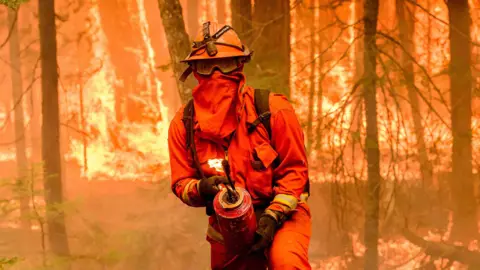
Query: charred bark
x=178, y=42
x=357, y=104
x=271, y=43
x=242, y=19
x=57, y=234
x=17, y=94
x=465, y=226
x=406, y=26
x=371, y=141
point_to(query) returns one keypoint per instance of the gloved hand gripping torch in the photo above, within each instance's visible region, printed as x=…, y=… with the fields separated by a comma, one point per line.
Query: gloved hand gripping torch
x=235, y=215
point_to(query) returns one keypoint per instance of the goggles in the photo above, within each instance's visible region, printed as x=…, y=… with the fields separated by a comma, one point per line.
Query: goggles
x=225, y=65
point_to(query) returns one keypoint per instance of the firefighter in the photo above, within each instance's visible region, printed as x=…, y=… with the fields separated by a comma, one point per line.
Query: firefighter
x=270, y=163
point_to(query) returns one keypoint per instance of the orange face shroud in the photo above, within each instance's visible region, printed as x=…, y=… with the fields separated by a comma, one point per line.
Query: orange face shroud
x=214, y=100
x=222, y=50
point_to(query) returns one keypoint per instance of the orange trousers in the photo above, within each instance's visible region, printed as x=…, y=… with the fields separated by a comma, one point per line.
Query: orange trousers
x=289, y=249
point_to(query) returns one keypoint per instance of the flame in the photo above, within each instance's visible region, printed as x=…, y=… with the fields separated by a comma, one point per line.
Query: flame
x=216, y=163
x=133, y=151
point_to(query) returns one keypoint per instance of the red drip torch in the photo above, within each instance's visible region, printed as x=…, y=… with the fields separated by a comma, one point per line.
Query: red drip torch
x=235, y=215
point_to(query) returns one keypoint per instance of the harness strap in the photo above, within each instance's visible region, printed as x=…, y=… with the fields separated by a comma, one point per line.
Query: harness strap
x=185, y=74
x=188, y=115
x=262, y=107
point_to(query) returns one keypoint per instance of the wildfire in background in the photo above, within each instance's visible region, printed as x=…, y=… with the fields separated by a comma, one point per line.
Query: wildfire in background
x=137, y=150
x=142, y=144
x=106, y=148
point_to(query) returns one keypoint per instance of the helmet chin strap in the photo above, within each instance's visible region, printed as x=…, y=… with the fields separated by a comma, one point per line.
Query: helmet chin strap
x=185, y=74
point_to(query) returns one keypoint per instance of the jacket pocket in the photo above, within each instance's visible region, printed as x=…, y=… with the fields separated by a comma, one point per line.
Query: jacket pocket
x=263, y=157
x=260, y=182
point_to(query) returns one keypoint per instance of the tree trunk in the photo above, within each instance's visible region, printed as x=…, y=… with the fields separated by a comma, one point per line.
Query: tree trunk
x=406, y=25
x=242, y=19
x=324, y=38
x=311, y=94
x=178, y=42
x=123, y=46
x=57, y=234
x=192, y=20
x=221, y=16
x=20, y=134
x=465, y=226
x=357, y=106
x=371, y=142
x=29, y=24
x=272, y=45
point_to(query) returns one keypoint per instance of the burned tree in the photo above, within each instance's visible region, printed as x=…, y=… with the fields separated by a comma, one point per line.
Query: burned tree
x=405, y=21
x=371, y=140
x=242, y=19
x=465, y=218
x=17, y=94
x=178, y=42
x=123, y=48
x=271, y=43
x=57, y=233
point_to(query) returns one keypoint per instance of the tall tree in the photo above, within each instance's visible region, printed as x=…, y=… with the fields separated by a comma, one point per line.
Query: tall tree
x=57, y=233
x=272, y=45
x=242, y=18
x=17, y=90
x=123, y=46
x=465, y=225
x=371, y=140
x=357, y=107
x=406, y=26
x=178, y=42
x=325, y=38
x=221, y=16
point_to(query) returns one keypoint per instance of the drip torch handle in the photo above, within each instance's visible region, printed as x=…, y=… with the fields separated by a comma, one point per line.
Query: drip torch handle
x=231, y=191
x=226, y=169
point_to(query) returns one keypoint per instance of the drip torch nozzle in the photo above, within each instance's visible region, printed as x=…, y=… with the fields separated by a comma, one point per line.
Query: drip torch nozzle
x=232, y=193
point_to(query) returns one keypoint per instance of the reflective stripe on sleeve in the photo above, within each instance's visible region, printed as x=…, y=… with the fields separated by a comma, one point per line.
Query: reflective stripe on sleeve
x=186, y=190
x=286, y=200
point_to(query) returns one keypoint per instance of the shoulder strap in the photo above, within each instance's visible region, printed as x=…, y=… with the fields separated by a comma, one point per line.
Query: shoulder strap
x=188, y=114
x=262, y=106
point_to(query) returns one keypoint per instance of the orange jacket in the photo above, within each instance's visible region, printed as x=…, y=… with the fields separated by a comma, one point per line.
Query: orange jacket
x=279, y=188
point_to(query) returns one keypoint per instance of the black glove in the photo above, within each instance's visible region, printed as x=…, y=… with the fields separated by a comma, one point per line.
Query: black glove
x=267, y=226
x=208, y=187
